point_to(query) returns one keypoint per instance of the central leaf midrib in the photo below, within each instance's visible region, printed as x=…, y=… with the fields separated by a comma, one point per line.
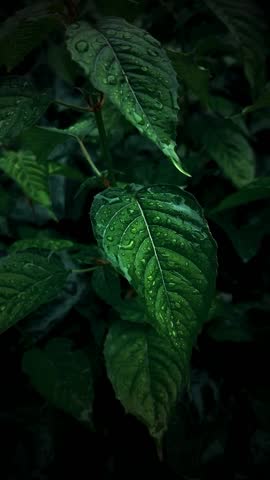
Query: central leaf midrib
x=126, y=77
x=155, y=253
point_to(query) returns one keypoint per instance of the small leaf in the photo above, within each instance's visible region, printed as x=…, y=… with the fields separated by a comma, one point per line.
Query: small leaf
x=194, y=76
x=259, y=189
x=159, y=240
x=63, y=376
x=30, y=175
x=26, y=282
x=21, y=105
x=226, y=145
x=146, y=373
x=129, y=65
x=23, y=32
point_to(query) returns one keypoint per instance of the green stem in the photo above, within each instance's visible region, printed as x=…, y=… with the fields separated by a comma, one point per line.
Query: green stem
x=72, y=107
x=88, y=158
x=104, y=143
x=84, y=270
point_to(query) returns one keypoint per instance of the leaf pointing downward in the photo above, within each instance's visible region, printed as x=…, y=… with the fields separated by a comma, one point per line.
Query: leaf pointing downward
x=148, y=385
x=157, y=237
x=129, y=65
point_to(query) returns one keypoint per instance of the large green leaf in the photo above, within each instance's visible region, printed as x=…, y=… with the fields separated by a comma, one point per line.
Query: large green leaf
x=63, y=376
x=26, y=282
x=194, y=76
x=21, y=105
x=245, y=21
x=129, y=65
x=226, y=145
x=146, y=373
x=27, y=29
x=259, y=189
x=159, y=240
x=31, y=175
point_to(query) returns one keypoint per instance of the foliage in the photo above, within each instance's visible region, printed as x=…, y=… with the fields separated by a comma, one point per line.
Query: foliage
x=134, y=219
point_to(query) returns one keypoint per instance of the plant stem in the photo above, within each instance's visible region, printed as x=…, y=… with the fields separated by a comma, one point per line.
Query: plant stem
x=84, y=270
x=72, y=107
x=104, y=143
x=88, y=158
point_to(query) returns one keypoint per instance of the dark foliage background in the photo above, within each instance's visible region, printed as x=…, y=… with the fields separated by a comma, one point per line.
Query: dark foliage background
x=221, y=427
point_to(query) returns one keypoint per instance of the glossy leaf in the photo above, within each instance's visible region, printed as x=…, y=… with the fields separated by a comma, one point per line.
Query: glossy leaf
x=20, y=34
x=146, y=373
x=131, y=68
x=26, y=282
x=30, y=175
x=63, y=376
x=159, y=240
x=21, y=105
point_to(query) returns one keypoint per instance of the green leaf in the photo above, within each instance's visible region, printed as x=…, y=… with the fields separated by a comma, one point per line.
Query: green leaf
x=30, y=175
x=23, y=32
x=55, y=168
x=246, y=23
x=132, y=310
x=195, y=77
x=86, y=126
x=21, y=105
x=246, y=238
x=230, y=322
x=146, y=373
x=263, y=101
x=131, y=68
x=226, y=145
x=52, y=244
x=63, y=376
x=159, y=240
x=259, y=189
x=26, y=282
x=106, y=284
x=43, y=140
